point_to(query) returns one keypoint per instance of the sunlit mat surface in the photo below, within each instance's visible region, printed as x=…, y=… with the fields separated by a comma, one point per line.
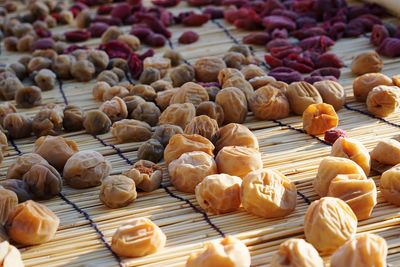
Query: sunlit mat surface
x=87, y=225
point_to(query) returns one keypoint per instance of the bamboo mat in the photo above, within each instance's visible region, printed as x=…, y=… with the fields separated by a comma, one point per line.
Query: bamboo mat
x=87, y=225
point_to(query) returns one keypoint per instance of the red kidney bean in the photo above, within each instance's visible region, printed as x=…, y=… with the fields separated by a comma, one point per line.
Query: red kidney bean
x=286, y=75
x=309, y=32
x=104, y=9
x=390, y=47
x=272, y=22
x=141, y=32
x=214, y=13
x=43, y=43
x=279, y=33
x=153, y=23
x=108, y=20
x=314, y=79
x=332, y=135
x=284, y=51
x=42, y=32
x=257, y=38
x=199, y=3
x=278, y=43
x=135, y=65
x=117, y=49
x=74, y=47
x=195, y=19
x=306, y=22
x=328, y=71
x=96, y=29
x=188, y=37
x=165, y=3
x=155, y=40
x=77, y=36
x=273, y=62
x=295, y=65
x=328, y=60
x=379, y=33
x=318, y=43
x=337, y=30
x=121, y=11
x=286, y=13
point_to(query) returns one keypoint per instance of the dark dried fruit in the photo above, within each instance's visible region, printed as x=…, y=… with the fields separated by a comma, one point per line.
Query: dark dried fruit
x=390, y=47
x=42, y=43
x=96, y=122
x=19, y=187
x=258, y=38
x=194, y=20
x=379, y=34
x=77, y=36
x=332, y=135
x=328, y=71
x=17, y=125
x=280, y=22
x=285, y=75
x=73, y=118
x=28, y=97
x=151, y=150
x=188, y=37
x=97, y=29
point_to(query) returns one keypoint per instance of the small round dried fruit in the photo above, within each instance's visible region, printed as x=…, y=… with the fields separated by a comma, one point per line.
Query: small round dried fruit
x=8, y=87
x=115, y=109
x=251, y=71
x=232, y=97
x=8, y=202
x=387, y=152
x=219, y=193
x=62, y=66
x=182, y=143
x=241, y=84
x=99, y=59
x=82, y=70
x=178, y=114
x=146, y=174
x=296, y=252
x=23, y=164
x=227, y=73
x=208, y=68
x=55, y=149
x=96, y=122
x=390, y=185
x=27, y=97
x=235, y=134
x=114, y=91
x=164, y=132
x=137, y=238
x=383, y=100
x=301, y=95
x=151, y=150
x=45, y=79
x=202, y=125
x=19, y=187
x=359, y=193
x=129, y=130
x=164, y=97
x=190, y=169
x=73, y=118
x=318, y=118
x=329, y=222
x=174, y=57
x=226, y=252
x=332, y=93
x=161, y=85
x=117, y=191
x=190, y=93
x=212, y=110
x=181, y=75
x=352, y=149
x=43, y=181
x=149, y=75
x=132, y=41
x=47, y=122
x=132, y=101
x=329, y=168
x=367, y=62
x=238, y=160
x=160, y=63
x=32, y=223
x=145, y=91
x=107, y=76
x=260, y=81
x=147, y=112
x=5, y=109
x=269, y=103
x=86, y=169
x=365, y=248
x=268, y=193
x=363, y=84
x=17, y=125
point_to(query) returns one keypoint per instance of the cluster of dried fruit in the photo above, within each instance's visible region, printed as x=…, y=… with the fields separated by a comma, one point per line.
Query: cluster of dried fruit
x=317, y=24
